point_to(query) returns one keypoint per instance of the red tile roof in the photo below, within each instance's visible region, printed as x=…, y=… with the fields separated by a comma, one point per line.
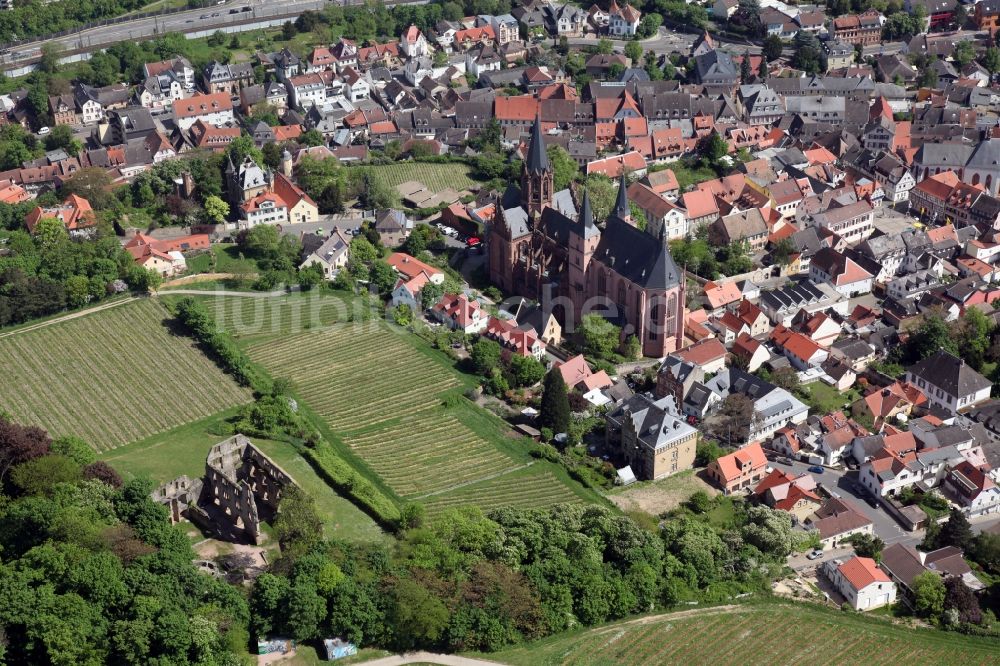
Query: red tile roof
x=861, y=572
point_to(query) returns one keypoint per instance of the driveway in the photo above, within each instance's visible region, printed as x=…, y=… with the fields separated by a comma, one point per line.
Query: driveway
x=840, y=482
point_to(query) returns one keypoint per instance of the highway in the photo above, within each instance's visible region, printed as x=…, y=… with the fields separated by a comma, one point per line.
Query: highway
x=216, y=17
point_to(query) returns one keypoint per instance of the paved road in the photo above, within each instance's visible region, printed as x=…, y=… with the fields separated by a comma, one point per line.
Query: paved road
x=841, y=482
x=143, y=28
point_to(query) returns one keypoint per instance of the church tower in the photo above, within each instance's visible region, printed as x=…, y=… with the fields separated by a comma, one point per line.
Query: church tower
x=622, y=209
x=582, y=245
x=536, y=176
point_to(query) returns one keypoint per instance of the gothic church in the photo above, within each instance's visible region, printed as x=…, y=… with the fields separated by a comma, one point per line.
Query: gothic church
x=541, y=248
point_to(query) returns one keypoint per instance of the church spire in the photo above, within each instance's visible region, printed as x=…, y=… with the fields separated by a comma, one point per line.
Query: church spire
x=587, y=217
x=537, y=160
x=622, y=210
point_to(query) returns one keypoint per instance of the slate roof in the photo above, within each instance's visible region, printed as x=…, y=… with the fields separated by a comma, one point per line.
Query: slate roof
x=949, y=373
x=637, y=256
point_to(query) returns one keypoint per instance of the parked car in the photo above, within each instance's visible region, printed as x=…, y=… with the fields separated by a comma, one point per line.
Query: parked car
x=815, y=555
x=473, y=242
x=42, y=131
x=872, y=500
x=784, y=460
x=816, y=469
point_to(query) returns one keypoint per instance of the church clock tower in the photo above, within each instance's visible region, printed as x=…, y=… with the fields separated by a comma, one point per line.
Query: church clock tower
x=536, y=176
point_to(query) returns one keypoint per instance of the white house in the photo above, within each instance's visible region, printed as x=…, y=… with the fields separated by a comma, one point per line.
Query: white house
x=459, y=312
x=623, y=21
x=973, y=489
x=841, y=272
x=306, y=90
x=413, y=44
x=664, y=219
x=267, y=208
x=948, y=382
x=331, y=256
x=214, y=109
x=862, y=583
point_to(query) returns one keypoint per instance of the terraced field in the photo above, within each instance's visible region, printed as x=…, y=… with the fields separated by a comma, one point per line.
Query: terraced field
x=111, y=377
x=525, y=489
x=356, y=376
x=428, y=452
x=748, y=635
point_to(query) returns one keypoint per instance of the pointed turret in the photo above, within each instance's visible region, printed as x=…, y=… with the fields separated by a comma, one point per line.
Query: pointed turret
x=622, y=210
x=230, y=168
x=537, y=160
x=589, y=229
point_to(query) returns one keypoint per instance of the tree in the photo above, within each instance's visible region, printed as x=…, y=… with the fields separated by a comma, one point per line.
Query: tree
x=103, y=472
x=762, y=70
x=416, y=615
x=964, y=53
x=312, y=137
x=243, y=147
x=602, y=192
x=38, y=476
x=554, y=412
x=868, y=545
x=786, y=378
x=260, y=241
x=973, y=332
x=731, y=422
x=772, y=48
x=297, y=526
x=991, y=60
x=932, y=334
x=960, y=16
x=928, y=594
x=958, y=597
x=91, y=183
x=746, y=72
x=564, y=168
x=633, y=51
x=782, y=251
x=713, y=148
x=485, y=356
x=383, y=278
x=599, y=336
x=605, y=46
x=956, y=531
x=73, y=448
x=215, y=210
x=430, y=294
x=525, y=371
x=19, y=444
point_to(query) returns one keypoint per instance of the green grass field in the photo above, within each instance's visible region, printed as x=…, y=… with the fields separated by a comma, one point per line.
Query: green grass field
x=111, y=377
x=762, y=634
x=435, y=176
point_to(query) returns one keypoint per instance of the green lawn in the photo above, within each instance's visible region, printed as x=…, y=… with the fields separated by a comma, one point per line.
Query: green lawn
x=825, y=399
x=765, y=634
x=220, y=258
x=435, y=176
x=183, y=451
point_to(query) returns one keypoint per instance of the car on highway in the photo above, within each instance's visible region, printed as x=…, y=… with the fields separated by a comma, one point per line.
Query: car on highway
x=816, y=469
x=815, y=555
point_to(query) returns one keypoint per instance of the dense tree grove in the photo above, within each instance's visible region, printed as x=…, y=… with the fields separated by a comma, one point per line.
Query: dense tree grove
x=47, y=272
x=93, y=572
x=475, y=582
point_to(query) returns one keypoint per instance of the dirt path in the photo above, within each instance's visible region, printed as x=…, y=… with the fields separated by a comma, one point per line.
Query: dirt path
x=72, y=315
x=430, y=658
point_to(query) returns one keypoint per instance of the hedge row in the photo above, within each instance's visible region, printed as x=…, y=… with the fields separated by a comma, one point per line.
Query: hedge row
x=195, y=317
x=345, y=479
